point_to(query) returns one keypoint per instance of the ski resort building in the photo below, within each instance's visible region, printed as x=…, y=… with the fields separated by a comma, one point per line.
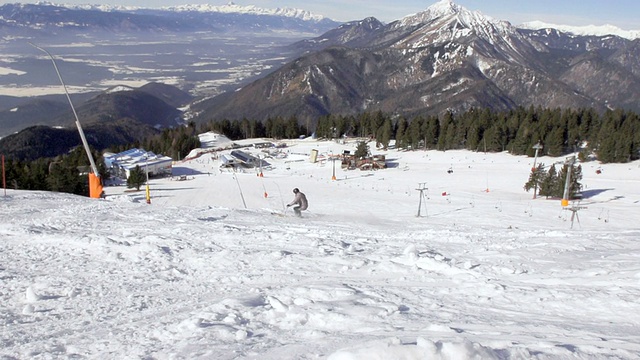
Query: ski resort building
x=248, y=159
x=121, y=164
x=227, y=160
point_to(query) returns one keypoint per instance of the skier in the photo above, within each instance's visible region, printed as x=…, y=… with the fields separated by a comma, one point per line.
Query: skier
x=300, y=201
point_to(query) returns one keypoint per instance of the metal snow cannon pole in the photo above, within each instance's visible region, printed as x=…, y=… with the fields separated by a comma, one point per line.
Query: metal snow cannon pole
x=95, y=184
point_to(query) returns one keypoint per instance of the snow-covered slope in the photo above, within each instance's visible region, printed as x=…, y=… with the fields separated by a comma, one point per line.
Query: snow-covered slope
x=217, y=268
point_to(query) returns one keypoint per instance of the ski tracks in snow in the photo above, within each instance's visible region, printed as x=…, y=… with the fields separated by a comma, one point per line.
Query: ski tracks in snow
x=222, y=283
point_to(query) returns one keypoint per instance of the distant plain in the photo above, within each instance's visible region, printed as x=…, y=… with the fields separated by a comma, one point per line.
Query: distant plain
x=205, y=64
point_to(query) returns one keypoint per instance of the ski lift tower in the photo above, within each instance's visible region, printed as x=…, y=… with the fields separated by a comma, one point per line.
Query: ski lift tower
x=567, y=184
x=565, y=198
x=333, y=161
x=537, y=147
x=422, y=188
x=574, y=213
x=95, y=185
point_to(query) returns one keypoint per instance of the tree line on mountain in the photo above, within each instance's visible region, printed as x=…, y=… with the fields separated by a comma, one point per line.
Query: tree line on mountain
x=613, y=136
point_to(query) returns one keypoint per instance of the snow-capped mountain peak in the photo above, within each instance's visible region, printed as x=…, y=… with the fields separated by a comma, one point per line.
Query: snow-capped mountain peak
x=445, y=21
x=232, y=8
x=444, y=7
x=441, y=9
x=596, y=30
x=448, y=11
x=228, y=8
x=96, y=7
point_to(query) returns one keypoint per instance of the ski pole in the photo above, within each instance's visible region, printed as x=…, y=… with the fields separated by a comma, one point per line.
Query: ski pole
x=280, y=192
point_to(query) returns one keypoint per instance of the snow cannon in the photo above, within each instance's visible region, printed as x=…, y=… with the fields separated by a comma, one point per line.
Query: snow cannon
x=95, y=186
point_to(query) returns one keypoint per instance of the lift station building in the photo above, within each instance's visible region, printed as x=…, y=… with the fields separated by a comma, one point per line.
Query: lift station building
x=121, y=164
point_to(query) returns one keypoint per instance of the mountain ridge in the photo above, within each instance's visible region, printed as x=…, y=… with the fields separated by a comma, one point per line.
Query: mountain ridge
x=118, y=117
x=46, y=16
x=585, y=30
x=301, y=14
x=229, y=7
x=445, y=58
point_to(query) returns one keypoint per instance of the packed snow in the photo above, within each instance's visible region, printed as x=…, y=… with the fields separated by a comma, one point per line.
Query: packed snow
x=218, y=267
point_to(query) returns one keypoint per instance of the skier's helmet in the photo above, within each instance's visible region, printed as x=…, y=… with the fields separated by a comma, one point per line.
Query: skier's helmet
x=295, y=191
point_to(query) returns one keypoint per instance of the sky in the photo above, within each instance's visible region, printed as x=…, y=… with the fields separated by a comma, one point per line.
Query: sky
x=621, y=13
x=217, y=267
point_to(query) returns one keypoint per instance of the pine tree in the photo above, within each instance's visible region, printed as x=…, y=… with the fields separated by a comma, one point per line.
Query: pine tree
x=554, y=142
x=475, y=130
x=362, y=150
x=400, y=133
x=136, y=178
x=292, y=128
x=495, y=138
x=575, y=187
x=414, y=133
x=445, y=132
x=525, y=135
x=535, y=179
x=245, y=128
x=576, y=177
x=364, y=122
x=549, y=183
x=384, y=136
x=66, y=178
x=431, y=131
x=589, y=121
x=571, y=119
x=471, y=126
x=629, y=136
x=611, y=142
x=324, y=126
x=451, y=137
x=376, y=122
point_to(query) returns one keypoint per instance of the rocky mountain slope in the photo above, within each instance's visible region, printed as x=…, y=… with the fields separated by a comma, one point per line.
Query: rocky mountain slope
x=444, y=58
